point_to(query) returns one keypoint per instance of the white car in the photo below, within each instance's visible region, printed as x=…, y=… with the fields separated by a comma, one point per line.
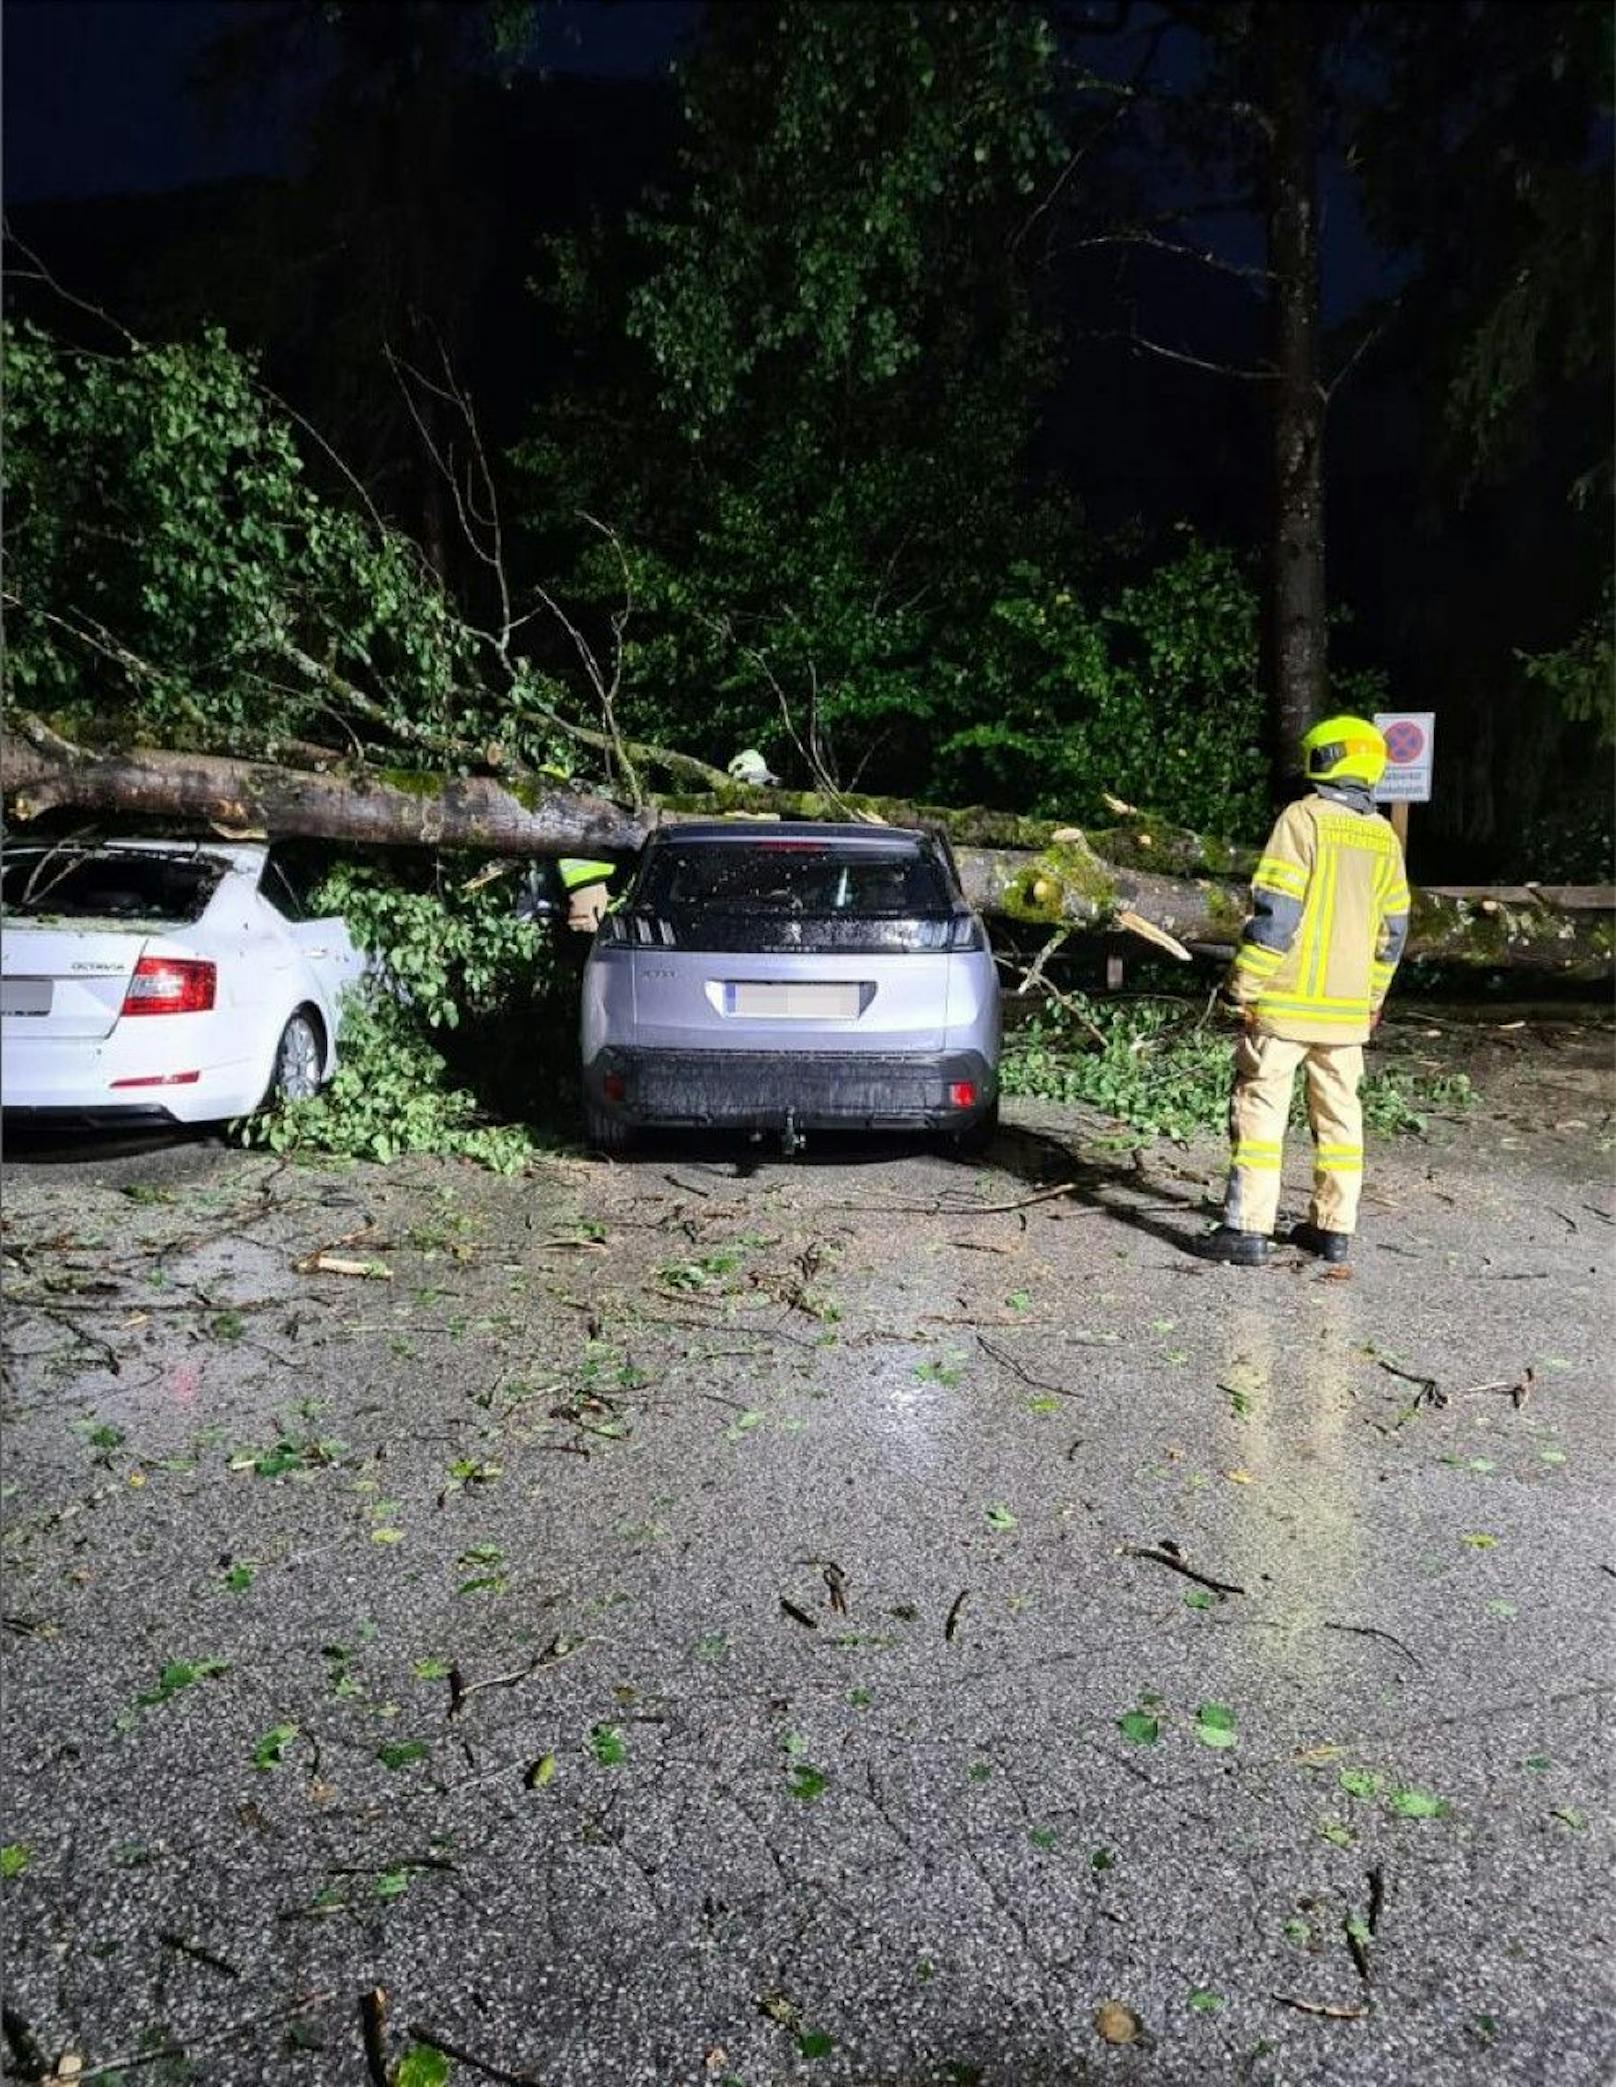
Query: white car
x=163, y=981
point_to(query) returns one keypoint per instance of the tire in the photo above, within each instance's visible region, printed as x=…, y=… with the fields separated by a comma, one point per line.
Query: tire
x=299, y=1061
x=607, y=1133
x=972, y=1142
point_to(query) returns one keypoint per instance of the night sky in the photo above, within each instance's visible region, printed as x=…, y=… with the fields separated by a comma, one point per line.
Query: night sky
x=98, y=101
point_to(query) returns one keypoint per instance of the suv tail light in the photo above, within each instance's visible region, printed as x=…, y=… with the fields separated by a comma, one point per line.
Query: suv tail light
x=171, y=986
x=643, y=929
x=967, y=933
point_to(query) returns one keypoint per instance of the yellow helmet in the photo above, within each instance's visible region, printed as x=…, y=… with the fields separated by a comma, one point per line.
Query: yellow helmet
x=1344, y=750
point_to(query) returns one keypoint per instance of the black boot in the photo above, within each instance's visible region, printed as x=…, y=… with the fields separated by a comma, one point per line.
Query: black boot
x=1329, y=1246
x=1238, y=1249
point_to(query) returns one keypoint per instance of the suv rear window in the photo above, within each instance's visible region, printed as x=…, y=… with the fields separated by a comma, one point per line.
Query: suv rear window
x=107, y=884
x=796, y=879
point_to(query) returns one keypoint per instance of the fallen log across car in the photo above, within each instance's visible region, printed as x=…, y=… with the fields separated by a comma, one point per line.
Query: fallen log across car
x=1092, y=880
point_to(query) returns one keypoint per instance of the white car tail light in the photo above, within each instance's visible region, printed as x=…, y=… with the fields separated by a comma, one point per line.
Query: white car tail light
x=171, y=986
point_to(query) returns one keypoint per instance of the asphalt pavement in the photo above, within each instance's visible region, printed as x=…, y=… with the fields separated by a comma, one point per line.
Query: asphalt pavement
x=868, y=1618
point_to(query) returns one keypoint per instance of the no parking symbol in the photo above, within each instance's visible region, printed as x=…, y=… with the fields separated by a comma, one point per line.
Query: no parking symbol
x=1410, y=737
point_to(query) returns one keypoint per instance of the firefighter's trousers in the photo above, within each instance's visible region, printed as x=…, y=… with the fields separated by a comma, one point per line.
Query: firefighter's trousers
x=1265, y=1070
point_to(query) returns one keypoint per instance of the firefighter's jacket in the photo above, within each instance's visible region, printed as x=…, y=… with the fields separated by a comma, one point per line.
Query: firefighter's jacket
x=1328, y=923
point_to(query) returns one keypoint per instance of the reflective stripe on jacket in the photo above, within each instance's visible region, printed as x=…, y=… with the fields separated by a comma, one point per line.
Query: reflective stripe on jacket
x=578, y=870
x=1328, y=923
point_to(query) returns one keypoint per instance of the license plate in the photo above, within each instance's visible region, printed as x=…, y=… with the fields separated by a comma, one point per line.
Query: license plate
x=793, y=1002
x=25, y=996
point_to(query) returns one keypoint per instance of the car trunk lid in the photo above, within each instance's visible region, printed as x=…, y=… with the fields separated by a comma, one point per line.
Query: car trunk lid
x=67, y=982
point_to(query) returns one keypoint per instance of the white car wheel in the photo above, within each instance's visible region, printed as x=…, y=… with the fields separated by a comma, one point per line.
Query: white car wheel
x=298, y=1062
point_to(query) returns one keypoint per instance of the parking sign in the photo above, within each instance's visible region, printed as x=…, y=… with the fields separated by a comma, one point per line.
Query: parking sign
x=1410, y=737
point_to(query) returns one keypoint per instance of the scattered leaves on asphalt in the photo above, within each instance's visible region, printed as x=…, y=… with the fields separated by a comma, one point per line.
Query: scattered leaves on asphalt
x=999, y=1516
x=1418, y=1804
x=1214, y=1725
x=14, y=1858
x=422, y=2065
x=1204, y=2001
x=607, y=1744
x=1139, y=1726
x=271, y=1749
x=399, y=1753
x=805, y=1782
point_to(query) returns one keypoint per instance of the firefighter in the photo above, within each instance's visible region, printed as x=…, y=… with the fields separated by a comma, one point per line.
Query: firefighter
x=585, y=884
x=1329, y=918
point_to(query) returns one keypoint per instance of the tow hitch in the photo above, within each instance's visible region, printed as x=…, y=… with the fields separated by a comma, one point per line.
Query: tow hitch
x=791, y=1139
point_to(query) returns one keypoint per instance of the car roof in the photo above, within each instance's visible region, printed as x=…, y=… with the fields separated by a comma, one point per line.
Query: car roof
x=705, y=830
x=245, y=856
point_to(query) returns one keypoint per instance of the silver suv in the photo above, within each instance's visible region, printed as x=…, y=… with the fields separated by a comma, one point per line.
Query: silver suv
x=789, y=977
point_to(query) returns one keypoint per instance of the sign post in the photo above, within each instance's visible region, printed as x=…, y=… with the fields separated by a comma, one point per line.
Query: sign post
x=1410, y=737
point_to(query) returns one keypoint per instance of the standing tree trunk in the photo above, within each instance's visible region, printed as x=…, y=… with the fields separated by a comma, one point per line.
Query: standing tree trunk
x=1295, y=631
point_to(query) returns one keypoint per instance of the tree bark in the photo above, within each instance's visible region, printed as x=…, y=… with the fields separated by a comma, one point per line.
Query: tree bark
x=1068, y=879
x=1296, y=631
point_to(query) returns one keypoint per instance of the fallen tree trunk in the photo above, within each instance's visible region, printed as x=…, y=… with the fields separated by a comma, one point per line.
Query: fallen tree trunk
x=1061, y=878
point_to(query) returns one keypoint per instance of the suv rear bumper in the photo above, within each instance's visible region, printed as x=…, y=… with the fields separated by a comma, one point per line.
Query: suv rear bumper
x=758, y=1090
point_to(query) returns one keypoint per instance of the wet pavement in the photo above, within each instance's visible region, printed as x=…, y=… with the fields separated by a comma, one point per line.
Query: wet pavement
x=717, y=1619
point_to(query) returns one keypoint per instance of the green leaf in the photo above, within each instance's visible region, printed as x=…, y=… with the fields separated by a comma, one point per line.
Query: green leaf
x=270, y=1750
x=431, y=1669
x=399, y=1753
x=1360, y=1782
x=422, y=2065
x=1336, y=1834
x=1102, y=1859
x=1042, y=1836
x=541, y=1772
x=1200, y=1598
x=1479, y=1540
x=1538, y=1761
x=979, y=1771
x=1569, y=1815
x=15, y=1857
x=1418, y=1804
x=238, y=1579
x=607, y=1744
x=1214, y=1725
x=1502, y=1608
x=805, y=1782
x=814, y=2043
x=999, y=1517
x=1205, y=2001
x=392, y=1884
x=1139, y=1726
x=1297, y=1931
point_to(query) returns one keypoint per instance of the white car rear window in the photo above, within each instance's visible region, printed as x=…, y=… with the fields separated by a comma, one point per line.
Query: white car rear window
x=106, y=884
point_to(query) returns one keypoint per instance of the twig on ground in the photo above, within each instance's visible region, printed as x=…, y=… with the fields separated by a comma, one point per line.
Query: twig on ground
x=952, y=1625
x=300, y=2006
x=799, y=1615
x=422, y=2035
x=196, y=1951
x=1160, y=1557
x=1377, y=1896
x=1321, y=2007
x=1368, y=1630
x=1020, y=1370
x=373, y=2034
